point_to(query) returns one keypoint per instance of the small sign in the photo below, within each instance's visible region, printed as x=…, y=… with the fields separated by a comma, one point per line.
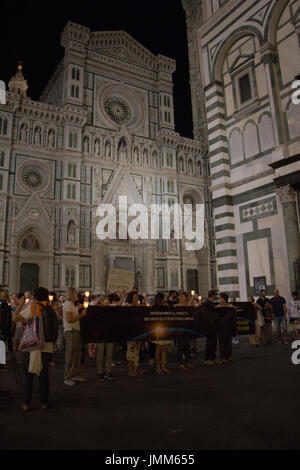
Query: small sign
x=259, y=283
x=119, y=280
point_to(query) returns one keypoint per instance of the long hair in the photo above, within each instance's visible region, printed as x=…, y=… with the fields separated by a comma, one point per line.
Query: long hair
x=72, y=294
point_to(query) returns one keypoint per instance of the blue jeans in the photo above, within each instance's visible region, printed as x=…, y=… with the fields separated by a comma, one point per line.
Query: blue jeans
x=281, y=326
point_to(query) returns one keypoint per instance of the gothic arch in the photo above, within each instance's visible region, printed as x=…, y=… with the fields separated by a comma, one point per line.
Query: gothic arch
x=227, y=45
x=273, y=20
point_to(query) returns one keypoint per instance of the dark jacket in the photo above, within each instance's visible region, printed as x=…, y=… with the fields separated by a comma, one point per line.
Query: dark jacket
x=227, y=326
x=5, y=320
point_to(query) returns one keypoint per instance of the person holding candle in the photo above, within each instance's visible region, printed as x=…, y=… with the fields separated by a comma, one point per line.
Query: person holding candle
x=71, y=323
x=184, y=343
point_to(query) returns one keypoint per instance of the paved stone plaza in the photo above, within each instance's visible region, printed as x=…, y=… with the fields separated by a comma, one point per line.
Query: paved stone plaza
x=252, y=403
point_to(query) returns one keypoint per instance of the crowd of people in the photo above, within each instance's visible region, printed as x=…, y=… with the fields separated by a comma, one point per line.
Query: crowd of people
x=17, y=309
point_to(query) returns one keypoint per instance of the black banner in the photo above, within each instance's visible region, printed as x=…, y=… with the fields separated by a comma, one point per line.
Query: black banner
x=119, y=324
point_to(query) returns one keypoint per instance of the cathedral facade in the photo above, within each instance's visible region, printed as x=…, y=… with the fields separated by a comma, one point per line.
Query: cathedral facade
x=103, y=128
x=244, y=61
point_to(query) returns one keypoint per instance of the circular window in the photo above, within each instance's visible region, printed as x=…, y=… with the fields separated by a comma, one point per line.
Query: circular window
x=117, y=110
x=32, y=178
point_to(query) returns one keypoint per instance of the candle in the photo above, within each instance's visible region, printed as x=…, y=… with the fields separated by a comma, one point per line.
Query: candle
x=199, y=298
x=50, y=298
x=192, y=292
x=85, y=304
x=26, y=301
x=87, y=294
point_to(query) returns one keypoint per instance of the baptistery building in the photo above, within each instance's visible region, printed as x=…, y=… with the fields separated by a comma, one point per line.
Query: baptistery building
x=103, y=128
x=244, y=70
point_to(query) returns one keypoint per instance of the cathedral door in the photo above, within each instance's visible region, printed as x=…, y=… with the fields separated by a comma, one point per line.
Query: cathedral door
x=29, y=277
x=192, y=280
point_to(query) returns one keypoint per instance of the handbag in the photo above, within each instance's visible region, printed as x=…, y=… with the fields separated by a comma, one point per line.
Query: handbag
x=33, y=335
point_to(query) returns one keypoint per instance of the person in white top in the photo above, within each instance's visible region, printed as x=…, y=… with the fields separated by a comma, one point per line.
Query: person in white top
x=71, y=324
x=293, y=310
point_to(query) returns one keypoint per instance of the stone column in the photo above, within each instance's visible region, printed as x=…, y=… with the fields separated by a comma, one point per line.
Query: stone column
x=287, y=198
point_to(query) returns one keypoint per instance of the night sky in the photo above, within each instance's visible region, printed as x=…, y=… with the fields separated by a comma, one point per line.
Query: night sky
x=30, y=31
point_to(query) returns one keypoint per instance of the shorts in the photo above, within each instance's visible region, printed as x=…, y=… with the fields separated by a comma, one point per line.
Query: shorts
x=281, y=324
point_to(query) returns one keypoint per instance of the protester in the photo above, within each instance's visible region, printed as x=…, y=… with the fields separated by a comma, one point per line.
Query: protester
x=293, y=311
x=35, y=362
x=71, y=323
x=59, y=314
x=259, y=322
x=104, y=350
x=184, y=343
x=133, y=347
x=280, y=316
x=226, y=329
x=19, y=326
x=6, y=322
x=210, y=309
x=161, y=344
x=264, y=303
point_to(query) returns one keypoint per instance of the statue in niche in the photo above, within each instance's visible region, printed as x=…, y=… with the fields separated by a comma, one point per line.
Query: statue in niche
x=146, y=157
x=107, y=149
x=71, y=232
x=24, y=133
x=136, y=155
x=190, y=166
x=37, y=136
x=97, y=147
x=181, y=164
x=122, y=150
x=51, y=138
x=86, y=145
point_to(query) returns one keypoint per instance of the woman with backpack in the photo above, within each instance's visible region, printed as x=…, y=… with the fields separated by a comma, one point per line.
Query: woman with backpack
x=35, y=362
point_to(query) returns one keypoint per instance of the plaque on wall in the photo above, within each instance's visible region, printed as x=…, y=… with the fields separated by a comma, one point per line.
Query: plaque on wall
x=259, y=283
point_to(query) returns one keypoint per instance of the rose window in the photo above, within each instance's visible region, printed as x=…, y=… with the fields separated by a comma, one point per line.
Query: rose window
x=117, y=110
x=33, y=178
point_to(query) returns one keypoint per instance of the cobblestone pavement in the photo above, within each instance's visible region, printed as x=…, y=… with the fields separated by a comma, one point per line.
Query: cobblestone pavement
x=252, y=403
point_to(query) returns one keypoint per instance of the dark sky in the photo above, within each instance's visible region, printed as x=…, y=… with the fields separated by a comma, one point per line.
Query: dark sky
x=30, y=31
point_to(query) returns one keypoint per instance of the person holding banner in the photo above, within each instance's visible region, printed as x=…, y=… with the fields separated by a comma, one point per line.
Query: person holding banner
x=161, y=344
x=133, y=347
x=227, y=329
x=184, y=343
x=106, y=350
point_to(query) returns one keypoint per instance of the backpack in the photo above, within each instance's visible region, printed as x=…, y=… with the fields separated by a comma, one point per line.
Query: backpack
x=50, y=323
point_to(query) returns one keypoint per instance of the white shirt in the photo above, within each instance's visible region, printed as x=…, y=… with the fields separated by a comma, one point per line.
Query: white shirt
x=294, y=308
x=69, y=307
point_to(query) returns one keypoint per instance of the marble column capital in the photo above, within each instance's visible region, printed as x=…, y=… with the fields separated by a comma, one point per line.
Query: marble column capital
x=286, y=194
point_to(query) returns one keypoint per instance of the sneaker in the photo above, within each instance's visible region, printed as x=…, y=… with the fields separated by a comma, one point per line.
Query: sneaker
x=69, y=382
x=108, y=377
x=78, y=378
x=208, y=363
x=100, y=378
